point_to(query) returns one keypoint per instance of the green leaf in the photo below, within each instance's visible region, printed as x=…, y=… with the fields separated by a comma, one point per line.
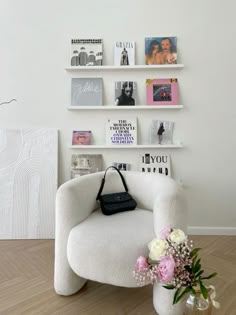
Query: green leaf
x=169, y=287
x=203, y=289
x=197, y=266
x=176, y=295
x=186, y=290
x=194, y=252
x=194, y=260
x=210, y=276
x=199, y=273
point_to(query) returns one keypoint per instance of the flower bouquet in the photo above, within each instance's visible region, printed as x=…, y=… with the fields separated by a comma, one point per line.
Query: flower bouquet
x=175, y=263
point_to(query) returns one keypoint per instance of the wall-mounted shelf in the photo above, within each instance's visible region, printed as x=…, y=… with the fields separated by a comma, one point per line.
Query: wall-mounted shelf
x=114, y=107
x=137, y=146
x=135, y=67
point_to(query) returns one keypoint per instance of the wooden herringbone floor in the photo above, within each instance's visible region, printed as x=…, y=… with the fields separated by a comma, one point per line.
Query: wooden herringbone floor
x=26, y=282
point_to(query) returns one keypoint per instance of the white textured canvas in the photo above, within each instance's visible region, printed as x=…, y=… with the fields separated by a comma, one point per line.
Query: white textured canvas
x=28, y=183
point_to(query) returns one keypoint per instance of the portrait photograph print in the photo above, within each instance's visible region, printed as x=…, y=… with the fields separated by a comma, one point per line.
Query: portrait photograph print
x=161, y=132
x=124, y=53
x=125, y=93
x=160, y=50
x=162, y=91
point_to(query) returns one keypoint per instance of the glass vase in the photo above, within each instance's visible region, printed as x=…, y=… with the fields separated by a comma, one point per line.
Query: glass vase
x=197, y=305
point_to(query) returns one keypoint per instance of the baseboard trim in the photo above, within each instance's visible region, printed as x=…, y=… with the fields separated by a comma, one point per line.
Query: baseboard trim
x=209, y=230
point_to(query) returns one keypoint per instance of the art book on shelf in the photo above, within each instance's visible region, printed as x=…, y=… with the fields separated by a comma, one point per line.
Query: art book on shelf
x=162, y=91
x=155, y=163
x=86, y=52
x=121, y=131
x=124, y=53
x=122, y=166
x=125, y=93
x=161, y=132
x=81, y=137
x=86, y=91
x=82, y=164
x=160, y=50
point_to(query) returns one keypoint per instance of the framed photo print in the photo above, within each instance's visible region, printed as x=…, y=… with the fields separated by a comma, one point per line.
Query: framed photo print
x=160, y=50
x=162, y=91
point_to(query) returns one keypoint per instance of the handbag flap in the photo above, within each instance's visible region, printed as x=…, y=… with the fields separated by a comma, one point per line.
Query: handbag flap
x=115, y=198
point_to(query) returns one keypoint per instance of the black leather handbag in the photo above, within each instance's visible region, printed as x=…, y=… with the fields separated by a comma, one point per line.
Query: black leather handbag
x=115, y=202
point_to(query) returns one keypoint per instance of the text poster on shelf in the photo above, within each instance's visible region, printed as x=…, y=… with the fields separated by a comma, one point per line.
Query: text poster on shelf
x=121, y=131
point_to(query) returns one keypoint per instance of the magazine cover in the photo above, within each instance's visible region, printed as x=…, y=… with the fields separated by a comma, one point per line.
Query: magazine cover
x=86, y=52
x=122, y=166
x=81, y=137
x=86, y=91
x=121, y=131
x=155, y=163
x=161, y=132
x=162, y=91
x=125, y=93
x=160, y=50
x=124, y=53
x=82, y=164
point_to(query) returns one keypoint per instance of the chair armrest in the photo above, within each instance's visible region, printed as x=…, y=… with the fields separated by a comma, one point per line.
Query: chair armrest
x=170, y=208
x=75, y=201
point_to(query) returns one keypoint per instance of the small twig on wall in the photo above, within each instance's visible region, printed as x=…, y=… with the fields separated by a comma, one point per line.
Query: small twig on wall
x=8, y=102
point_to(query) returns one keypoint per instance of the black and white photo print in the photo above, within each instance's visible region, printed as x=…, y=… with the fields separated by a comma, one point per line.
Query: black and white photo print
x=86, y=52
x=124, y=53
x=125, y=93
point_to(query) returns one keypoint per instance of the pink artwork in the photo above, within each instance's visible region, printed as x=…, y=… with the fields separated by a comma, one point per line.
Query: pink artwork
x=162, y=91
x=81, y=137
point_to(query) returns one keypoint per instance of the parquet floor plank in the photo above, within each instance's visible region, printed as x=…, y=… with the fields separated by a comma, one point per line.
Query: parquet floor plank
x=26, y=282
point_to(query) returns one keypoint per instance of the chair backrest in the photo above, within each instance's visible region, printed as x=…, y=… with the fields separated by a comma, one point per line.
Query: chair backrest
x=144, y=187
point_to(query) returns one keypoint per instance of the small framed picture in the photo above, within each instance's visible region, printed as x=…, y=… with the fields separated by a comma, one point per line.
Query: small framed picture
x=81, y=137
x=160, y=50
x=162, y=91
x=125, y=93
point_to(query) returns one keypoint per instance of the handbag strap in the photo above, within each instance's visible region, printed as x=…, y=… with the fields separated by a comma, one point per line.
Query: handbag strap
x=103, y=181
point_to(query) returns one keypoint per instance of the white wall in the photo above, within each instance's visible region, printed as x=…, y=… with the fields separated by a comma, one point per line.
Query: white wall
x=35, y=49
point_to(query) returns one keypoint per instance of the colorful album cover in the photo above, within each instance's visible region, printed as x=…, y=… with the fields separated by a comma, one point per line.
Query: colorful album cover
x=162, y=91
x=160, y=50
x=81, y=137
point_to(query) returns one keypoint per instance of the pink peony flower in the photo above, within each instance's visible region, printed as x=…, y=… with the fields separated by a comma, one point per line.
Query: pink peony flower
x=141, y=264
x=164, y=233
x=166, y=268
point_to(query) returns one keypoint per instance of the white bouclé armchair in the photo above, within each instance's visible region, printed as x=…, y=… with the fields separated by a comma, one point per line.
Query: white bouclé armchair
x=92, y=246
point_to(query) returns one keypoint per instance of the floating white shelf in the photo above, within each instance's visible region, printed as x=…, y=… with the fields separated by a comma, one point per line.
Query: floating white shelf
x=137, y=146
x=114, y=107
x=135, y=67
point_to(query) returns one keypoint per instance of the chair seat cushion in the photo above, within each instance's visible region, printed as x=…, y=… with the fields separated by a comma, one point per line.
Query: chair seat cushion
x=105, y=248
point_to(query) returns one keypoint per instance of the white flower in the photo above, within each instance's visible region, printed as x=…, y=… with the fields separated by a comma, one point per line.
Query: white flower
x=177, y=236
x=157, y=248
